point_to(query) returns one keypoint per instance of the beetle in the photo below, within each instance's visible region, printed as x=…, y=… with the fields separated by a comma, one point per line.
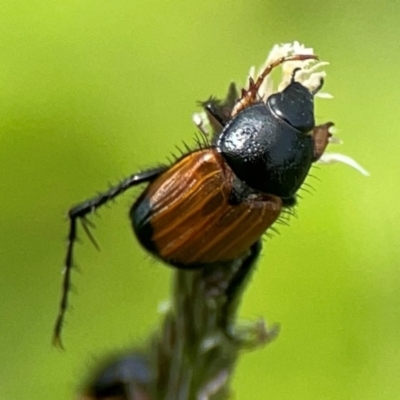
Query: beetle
x=214, y=203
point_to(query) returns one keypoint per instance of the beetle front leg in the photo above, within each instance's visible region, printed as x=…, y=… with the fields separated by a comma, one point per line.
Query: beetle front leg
x=321, y=135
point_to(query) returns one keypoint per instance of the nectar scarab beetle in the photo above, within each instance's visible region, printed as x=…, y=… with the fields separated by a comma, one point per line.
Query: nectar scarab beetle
x=214, y=203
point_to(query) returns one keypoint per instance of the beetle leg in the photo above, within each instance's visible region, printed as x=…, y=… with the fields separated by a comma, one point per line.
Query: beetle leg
x=321, y=137
x=80, y=212
x=249, y=96
x=318, y=88
x=219, y=112
x=237, y=283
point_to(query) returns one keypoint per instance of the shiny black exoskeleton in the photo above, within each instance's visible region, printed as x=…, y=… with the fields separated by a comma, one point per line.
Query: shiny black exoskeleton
x=269, y=145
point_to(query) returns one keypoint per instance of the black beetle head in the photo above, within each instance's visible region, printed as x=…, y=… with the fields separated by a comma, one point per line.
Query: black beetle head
x=294, y=105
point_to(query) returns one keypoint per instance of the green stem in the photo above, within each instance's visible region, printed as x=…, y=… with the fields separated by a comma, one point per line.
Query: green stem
x=194, y=354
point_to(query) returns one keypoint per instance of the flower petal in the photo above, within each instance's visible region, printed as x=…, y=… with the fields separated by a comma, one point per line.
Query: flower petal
x=332, y=158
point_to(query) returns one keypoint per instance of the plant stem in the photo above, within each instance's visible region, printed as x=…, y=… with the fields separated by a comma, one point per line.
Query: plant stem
x=193, y=355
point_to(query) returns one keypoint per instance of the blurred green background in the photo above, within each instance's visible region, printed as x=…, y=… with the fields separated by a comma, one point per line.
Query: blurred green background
x=92, y=91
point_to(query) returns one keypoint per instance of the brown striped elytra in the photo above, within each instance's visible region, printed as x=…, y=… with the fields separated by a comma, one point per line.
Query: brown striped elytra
x=186, y=217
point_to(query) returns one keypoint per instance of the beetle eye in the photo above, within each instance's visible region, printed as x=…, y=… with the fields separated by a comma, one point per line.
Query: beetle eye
x=295, y=105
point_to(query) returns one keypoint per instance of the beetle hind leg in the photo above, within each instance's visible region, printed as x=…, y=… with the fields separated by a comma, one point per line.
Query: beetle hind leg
x=80, y=212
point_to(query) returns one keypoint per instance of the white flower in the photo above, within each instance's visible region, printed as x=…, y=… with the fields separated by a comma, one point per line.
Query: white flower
x=309, y=75
x=333, y=158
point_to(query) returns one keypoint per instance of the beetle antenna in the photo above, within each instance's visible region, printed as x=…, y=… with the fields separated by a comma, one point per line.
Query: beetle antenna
x=292, y=79
x=279, y=61
x=249, y=96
